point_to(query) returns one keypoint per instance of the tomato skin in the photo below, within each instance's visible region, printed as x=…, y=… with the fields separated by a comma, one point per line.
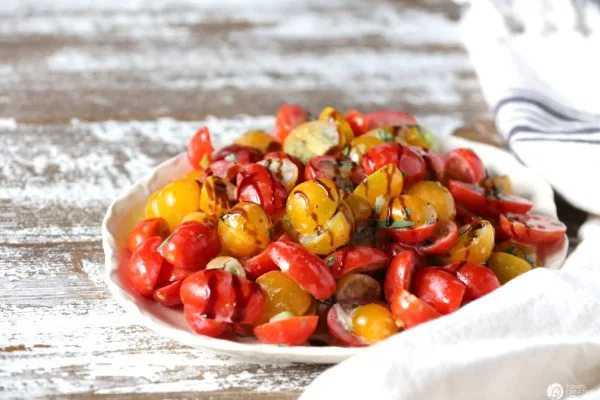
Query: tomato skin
x=258, y=265
x=144, y=266
x=191, y=245
x=379, y=118
x=406, y=159
x=200, y=149
x=256, y=184
x=357, y=122
x=288, y=117
x=356, y=259
x=237, y=153
x=445, y=236
x=409, y=311
x=482, y=202
x=202, y=325
x=304, y=267
x=146, y=229
x=168, y=295
x=464, y=165
x=439, y=288
x=220, y=295
x=291, y=331
x=479, y=281
x=532, y=228
x=399, y=274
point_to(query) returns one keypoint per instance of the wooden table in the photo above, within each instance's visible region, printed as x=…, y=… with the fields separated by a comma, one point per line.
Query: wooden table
x=75, y=80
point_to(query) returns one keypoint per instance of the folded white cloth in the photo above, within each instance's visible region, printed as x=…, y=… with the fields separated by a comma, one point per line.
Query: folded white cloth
x=538, y=337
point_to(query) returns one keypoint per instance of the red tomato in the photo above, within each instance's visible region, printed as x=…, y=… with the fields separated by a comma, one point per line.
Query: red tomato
x=410, y=311
x=258, y=265
x=440, y=289
x=223, y=296
x=532, y=228
x=444, y=237
x=434, y=163
x=145, y=265
x=379, y=118
x=465, y=216
x=357, y=122
x=399, y=273
x=224, y=169
x=304, y=267
x=356, y=259
x=288, y=117
x=413, y=235
x=243, y=329
x=256, y=184
x=146, y=229
x=191, y=245
x=479, y=281
x=339, y=322
x=238, y=154
x=342, y=170
x=200, y=149
x=169, y=274
x=292, y=331
x=202, y=325
x=168, y=295
x=464, y=165
x=286, y=156
x=406, y=159
x=486, y=202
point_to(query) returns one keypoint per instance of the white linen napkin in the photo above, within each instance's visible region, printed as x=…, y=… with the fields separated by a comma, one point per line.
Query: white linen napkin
x=538, y=337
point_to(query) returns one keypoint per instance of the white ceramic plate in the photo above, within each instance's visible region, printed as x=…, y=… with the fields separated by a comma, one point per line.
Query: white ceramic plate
x=128, y=209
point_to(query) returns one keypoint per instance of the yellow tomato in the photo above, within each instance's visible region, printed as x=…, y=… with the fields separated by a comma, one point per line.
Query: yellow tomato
x=360, y=145
x=311, y=204
x=330, y=114
x=381, y=185
x=245, y=230
x=373, y=323
x=333, y=234
x=174, y=201
x=438, y=196
x=506, y=266
x=259, y=140
x=313, y=138
x=217, y=196
x=475, y=243
x=283, y=295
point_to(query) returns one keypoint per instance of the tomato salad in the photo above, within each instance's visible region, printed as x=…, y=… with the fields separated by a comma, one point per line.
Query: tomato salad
x=348, y=228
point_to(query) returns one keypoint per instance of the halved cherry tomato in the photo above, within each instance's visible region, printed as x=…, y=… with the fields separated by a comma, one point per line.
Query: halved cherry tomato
x=238, y=154
x=478, y=280
x=288, y=117
x=223, y=296
x=483, y=202
x=291, y=331
x=357, y=286
x=168, y=295
x=406, y=159
x=440, y=289
x=306, y=268
x=283, y=294
x=146, y=229
x=438, y=196
x=169, y=274
x=144, y=266
x=274, y=155
x=357, y=121
x=464, y=165
x=243, y=329
x=376, y=119
x=258, y=265
x=408, y=219
x=444, y=238
x=409, y=311
x=532, y=228
x=500, y=183
x=200, y=149
x=399, y=274
x=285, y=170
x=256, y=184
x=341, y=170
x=191, y=245
x=259, y=140
x=339, y=322
x=434, y=163
x=507, y=267
x=245, y=230
x=224, y=169
x=474, y=244
x=202, y=325
x=519, y=249
x=356, y=259
x=373, y=322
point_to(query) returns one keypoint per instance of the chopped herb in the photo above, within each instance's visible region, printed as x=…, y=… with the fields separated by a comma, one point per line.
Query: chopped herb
x=330, y=260
x=204, y=163
x=347, y=163
x=378, y=223
x=345, y=185
x=430, y=220
x=384, y=135
x=330, y=301
x=530, y=258
x=346, y=151
x=329, y=163
x=271, y=231
x=408, y=211
x=165, y=241
x=511, y=250
x=200, y=235
x=231, y=157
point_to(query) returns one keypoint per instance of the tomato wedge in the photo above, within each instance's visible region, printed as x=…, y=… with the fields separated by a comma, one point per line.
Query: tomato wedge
x=444, y=237
x=202, y=325
x=409, y=311
x=304, y=267
x=464, y=165
x=439, y=288
x=379, y=118
x=146, y=229
x=356, y=259
x=357, y=122
x=292, y=331
x=399, y=274
x=405, y=158
x=479, y=281
x=257, y=184
x=145, y=265
x=434, y=163
x=258, y=265
x=532, y=228
x=485, y=202
x=200, y=149
x=168, y=295
x=288, y=117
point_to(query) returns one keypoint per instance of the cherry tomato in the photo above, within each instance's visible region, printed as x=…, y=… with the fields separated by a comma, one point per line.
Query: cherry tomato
x=304, y=267
x=145, y=265
x=168, y=295
x=224, y=169
x=258, y=265
x=288, y=117
x=408, y=219
x=406, y=159
x=519, y=249
x=227, y=264
x=478, y=280
x=245, y=230
x=373, y=323
x=501, y=184
x=356, y=259
x=223, y=296
x=434, y=163
x=291, y=331
x=340, y=170
x=360, y=207
x=174, y=201
x=442, y=241
x=313, y=138
x=405, y=134
x=357, y=122
x=169, y=274
x=357, y=286
x=380, y=186
x=483, y=202
x=360, y=145
x=216, y=196
x=440, y=289
x=197, y=175
x=330, y=114
x=281, y=155
x=436, y=195
x=506, y=266
x=283, y=295
x=376, y=119
x=409, y=311
x=146, y=229
x=532, y=228
x=399, y=274
x=464, y=165
x=200, y=149
x=238, y=154
x=285, y=170
x=256, y=184
x=201, y=217
x=202, y=325
x=191, y=246
x=339, y=322
x=243, y=329
x=259, y=140
x=474, y=244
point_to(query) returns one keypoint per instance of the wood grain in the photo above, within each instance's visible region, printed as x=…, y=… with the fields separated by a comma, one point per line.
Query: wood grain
x=64, y=63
